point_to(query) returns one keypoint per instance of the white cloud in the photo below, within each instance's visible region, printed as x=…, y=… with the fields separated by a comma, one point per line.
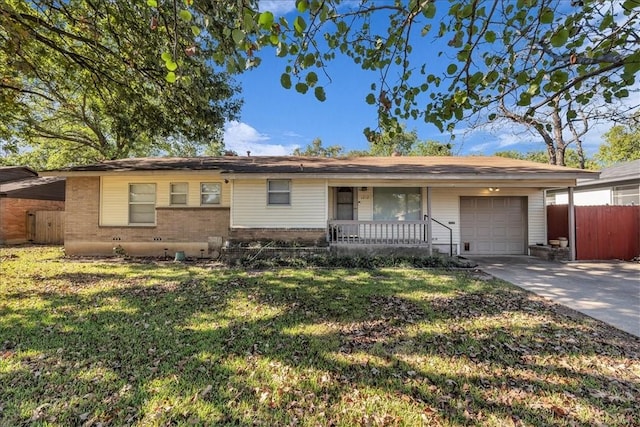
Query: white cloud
x=241, y=137
x=291, y=134
x=277, y=7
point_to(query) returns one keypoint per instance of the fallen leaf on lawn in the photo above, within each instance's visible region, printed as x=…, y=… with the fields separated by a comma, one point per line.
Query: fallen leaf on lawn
x=559, y=411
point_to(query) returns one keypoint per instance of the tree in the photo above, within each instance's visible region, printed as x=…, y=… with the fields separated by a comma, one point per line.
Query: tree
x=572, y=158
x=622, y=144
x=83, y=80
x=431, y=148
x=405, y=143
x=316, y=149
x=393, y=143
x=540, y=63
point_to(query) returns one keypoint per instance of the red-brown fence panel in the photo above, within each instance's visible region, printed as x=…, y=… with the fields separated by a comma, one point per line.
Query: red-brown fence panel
x=607, y=232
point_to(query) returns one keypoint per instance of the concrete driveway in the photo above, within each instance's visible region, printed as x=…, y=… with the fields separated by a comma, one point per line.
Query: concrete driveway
x=607, y=291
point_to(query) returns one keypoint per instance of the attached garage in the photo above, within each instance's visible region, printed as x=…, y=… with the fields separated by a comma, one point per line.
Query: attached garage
x=493, y=225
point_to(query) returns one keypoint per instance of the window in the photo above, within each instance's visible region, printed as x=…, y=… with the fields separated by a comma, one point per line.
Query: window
x=142, y=203
x=396, y=204
x=210, y=193
x=626, y=195
x=278, y=192
x=178, y=193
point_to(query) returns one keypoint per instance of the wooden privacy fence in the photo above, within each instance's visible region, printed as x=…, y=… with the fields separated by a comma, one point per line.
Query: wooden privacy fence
x=602, y=232
x=46, y=227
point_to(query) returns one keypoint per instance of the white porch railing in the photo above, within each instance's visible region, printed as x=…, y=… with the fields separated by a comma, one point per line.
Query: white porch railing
x=390, y=233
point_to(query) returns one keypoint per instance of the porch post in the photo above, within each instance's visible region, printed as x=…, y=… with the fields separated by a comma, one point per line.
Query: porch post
x=429, y=245
x=572, y=226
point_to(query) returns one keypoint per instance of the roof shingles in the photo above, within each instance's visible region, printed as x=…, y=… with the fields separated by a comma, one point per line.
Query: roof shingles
x=470, y=165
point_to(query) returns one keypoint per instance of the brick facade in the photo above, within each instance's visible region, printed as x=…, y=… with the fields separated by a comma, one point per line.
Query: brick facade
x=13, y=217
x=196, y=231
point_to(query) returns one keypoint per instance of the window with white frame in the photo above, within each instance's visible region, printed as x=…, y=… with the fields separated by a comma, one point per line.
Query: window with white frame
x=278, y=192
x=396, y=204
x=142, y=203
x=626, y=195
x=210, y=193
x=178, y=193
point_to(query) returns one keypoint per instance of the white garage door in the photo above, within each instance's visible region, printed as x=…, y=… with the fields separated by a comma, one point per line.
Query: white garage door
x=493, y=225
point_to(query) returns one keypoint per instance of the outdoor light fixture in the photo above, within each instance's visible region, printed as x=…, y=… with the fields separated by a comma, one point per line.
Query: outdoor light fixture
x=492, y=189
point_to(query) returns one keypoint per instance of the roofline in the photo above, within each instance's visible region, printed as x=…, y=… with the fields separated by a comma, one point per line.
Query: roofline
x=538, y=176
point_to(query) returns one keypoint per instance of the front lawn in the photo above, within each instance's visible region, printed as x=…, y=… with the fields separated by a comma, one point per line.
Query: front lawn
x=107, y=342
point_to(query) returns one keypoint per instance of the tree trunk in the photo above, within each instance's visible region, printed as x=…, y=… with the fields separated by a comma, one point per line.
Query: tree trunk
x=560, y=145
x=580, y=153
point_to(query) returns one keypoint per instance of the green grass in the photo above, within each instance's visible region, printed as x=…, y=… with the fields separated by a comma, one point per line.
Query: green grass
x=108, y=342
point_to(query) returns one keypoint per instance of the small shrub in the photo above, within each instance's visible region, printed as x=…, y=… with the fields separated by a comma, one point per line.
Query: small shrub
x=361, y=262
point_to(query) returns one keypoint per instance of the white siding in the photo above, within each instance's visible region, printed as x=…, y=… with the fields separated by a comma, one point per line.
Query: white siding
x=592, y=198
x=445, y=207
x=114, y=194
x=595, y=197
x=537, y=218
x=308, y=208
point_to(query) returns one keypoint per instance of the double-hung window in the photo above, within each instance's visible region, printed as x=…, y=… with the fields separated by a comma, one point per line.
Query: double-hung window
x=278, y=192
x=210, y=193
x=178, y=193
x=142, y=203
x=626, y=195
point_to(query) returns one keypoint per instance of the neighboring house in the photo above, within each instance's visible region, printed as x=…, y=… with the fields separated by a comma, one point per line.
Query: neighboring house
x=492, y=205
x=23, y=192
x=618, y=185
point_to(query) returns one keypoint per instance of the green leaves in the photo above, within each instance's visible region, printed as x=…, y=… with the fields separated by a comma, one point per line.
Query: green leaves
x=285, y=81
x=171, y=66
x=490, y=36
x=122, y=99
x=311, y=79
x=560, y=37
x=266, y=20
x=302, y=5
x=524, y=51
x=546, y=17
x=237, y=35
x=302, y=87
x=185, y=15
x=320, y=94
x=299, y=25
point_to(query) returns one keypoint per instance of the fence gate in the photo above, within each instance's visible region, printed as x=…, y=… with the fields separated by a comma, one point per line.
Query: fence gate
x=46, y=227
x=607, y=232
x=602, y=232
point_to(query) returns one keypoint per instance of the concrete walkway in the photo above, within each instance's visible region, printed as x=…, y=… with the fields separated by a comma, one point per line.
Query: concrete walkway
x=607, y=291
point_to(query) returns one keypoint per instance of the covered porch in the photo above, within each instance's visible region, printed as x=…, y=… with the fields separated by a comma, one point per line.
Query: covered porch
x=388, y=233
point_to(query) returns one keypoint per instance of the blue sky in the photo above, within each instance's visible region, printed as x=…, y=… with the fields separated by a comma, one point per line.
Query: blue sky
x=275, y=121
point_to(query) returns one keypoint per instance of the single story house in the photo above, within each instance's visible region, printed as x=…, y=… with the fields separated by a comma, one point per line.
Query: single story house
x=618, y=185
x=469, y=205
x=23, y=192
